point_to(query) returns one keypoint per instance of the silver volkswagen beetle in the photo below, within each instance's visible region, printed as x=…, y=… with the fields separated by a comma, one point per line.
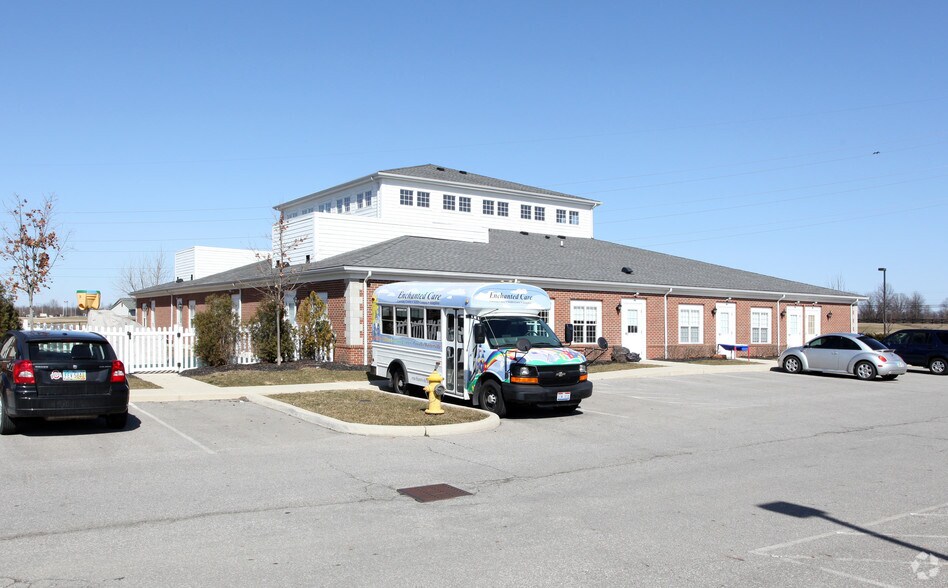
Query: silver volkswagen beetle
x=844, y=353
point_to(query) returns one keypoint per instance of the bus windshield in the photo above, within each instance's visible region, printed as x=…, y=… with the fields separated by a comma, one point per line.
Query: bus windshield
x=503, y=332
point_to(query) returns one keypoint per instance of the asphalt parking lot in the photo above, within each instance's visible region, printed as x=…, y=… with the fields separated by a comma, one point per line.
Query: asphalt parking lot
x=727, y=479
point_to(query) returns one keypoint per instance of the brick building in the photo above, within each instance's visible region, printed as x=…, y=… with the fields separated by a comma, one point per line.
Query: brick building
x=434, y=223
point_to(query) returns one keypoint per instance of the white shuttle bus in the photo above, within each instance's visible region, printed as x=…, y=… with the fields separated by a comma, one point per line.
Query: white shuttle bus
x=486, y=339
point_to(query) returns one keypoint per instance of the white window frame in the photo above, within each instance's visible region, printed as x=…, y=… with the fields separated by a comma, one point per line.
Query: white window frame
x=539, y=213
x=368, y=198
x=192, y=310
x=550, y=317
x=579, y=311
x=347, y=203
x=464, y=204
x=179, y=313
x=448, y=202
x=764, y=320
x=561, y=216
x=424, y=199
x=526, y=212
x=406, y=197
x=487, y=207
x=151, y=315
x=503, y=209
x=235, y=305
x=688, y=314
x=574, y=217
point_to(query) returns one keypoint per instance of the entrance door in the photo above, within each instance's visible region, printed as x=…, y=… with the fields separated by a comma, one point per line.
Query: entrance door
x=633, y=325
x=726, y=323
x=812, y=322
x=794, y=326
x=453, y=355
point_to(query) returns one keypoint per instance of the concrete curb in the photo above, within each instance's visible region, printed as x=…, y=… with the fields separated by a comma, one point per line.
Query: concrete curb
x=490, y=422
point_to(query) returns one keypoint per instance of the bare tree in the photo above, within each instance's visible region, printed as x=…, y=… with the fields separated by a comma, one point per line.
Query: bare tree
x=279, y=276
x=915, y=308
x=33, y=245
x=838, y=282
x=146, y=272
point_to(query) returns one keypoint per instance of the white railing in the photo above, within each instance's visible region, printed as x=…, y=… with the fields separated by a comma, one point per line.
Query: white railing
x=157, y=350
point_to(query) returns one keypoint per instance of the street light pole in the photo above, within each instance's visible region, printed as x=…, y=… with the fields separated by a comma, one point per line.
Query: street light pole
x=885, y=304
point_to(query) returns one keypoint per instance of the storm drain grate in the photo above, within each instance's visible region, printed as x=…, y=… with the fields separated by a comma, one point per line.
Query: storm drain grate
x=433, y=492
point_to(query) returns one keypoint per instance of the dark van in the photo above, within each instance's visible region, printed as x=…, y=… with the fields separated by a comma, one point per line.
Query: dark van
x=921, y=347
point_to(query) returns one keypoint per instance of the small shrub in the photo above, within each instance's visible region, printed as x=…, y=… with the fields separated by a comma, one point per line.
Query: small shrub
x=263, y=332
x=216, y=330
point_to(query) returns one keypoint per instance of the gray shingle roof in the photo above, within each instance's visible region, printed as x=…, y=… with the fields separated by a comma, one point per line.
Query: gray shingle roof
x=533, y=255
x=439, y=172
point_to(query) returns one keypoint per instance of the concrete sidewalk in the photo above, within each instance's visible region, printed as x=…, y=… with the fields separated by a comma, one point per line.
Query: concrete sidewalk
x=175, y=387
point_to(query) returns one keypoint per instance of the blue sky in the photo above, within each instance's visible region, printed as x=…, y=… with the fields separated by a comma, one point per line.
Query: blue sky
x=738, y=133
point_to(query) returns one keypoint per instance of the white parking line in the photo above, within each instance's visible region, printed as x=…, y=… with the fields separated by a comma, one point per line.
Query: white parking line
x=169, y=427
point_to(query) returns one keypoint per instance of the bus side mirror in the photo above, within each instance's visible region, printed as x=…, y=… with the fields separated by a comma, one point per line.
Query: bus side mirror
x=479, y=333
x=568, y=335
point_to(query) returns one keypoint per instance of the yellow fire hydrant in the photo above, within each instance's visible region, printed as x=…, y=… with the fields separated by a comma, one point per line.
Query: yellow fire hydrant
x=434, y=390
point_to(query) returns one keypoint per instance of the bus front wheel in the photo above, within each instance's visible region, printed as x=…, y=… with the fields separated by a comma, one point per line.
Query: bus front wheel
x=492, y=399
x=396, y=378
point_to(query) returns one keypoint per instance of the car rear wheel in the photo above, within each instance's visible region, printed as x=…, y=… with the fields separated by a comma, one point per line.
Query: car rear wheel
x=865, y=370
x=7, y=425
x=117, y=421
x=792, y=365
x=491, y=398
x=396, y=379
x=937, y=366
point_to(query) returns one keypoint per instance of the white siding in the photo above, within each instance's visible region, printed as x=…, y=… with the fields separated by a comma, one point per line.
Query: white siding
x=197, y=262
x=333, y=196
x=298, y=238
x=392, y=210
x=335, y=235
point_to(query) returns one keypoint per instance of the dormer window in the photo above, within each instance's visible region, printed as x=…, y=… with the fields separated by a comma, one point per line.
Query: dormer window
x=448, y=202
x=406, y=197
x=573, y=217
x=464, y=204
x=424, y=199
x=503, y=209
x=560, y=216
x=488, y=207
x=526, y=213
x=539, y=213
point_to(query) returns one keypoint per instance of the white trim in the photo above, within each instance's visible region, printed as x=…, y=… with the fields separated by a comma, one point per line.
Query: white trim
x=691, y=309
x=596, y=306
x=768, y=312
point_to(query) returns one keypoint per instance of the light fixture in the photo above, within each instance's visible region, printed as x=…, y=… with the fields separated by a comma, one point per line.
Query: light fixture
x=783, y=313
x=829, y=315
x=619, y=307
x=714, y=311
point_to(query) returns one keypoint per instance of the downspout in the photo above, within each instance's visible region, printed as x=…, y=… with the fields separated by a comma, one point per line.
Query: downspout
x=853, y=324
x=666, y=321
x=365, y=322
x=778, y=323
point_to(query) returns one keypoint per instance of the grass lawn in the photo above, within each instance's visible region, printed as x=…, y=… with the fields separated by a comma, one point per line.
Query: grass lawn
x=375, y=408
x=139, y=384
x=289, y=375
x=614, y=367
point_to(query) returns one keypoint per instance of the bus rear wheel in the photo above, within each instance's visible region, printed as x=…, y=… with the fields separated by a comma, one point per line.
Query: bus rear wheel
x=396, y=379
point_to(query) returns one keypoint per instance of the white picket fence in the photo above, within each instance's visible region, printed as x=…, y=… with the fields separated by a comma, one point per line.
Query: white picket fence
x=157, y=350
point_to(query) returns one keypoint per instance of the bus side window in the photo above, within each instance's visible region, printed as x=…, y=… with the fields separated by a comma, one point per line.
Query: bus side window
x=433, y=324
x=388, y=320
x=450, y=327
x=417, y=323
x=401, y=321
x=460, y=328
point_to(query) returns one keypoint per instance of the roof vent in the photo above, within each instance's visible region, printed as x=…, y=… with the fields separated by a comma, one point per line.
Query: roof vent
x=560, y=237
x=546, y=236
x=524, y=233
x=439, y=168
x=626, y=270
x=461, y=171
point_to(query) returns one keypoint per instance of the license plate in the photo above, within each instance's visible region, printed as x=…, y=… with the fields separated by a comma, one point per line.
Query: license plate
x=562, y=396
x=74, y=376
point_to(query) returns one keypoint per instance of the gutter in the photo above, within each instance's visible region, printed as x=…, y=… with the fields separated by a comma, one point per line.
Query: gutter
x=666, y=321
x=365, y=322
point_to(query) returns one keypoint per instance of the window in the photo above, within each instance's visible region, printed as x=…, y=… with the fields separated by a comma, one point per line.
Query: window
x=368, y=198
x=561, y=216
x=525, y=212
x=539, y=213
x=424, y=199
x=235, y=305
x=503, y=209
x=401, y=321
x=464, y=204
x=192, y=309
x=547, y=315
x=447, y=202
x=388, y=320
x=417, y=322
x=760, y=325
x=586, y=318
x=406, y=197
x=151, y=316
x=179, y=312
x=573, y=217
x=289, y=306
x=359, y=200
x=339, y=205
x=488, y=207
x=690, y=323
x=348, y=203
x=433, y=324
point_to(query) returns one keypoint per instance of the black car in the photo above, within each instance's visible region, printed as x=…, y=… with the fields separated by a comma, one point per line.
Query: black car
x=60, y=374
x=921, y=347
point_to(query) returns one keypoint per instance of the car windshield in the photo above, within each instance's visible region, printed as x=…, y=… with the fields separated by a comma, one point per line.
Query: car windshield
x=872, y=343
x=504, y=331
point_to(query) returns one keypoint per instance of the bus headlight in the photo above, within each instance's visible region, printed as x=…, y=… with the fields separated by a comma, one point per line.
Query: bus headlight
x=524, y=374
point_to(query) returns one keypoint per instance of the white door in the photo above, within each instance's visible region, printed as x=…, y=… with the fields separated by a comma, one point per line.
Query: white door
x=633, y=325
x=725, y=314
x=794, y=326
x=812, y=322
